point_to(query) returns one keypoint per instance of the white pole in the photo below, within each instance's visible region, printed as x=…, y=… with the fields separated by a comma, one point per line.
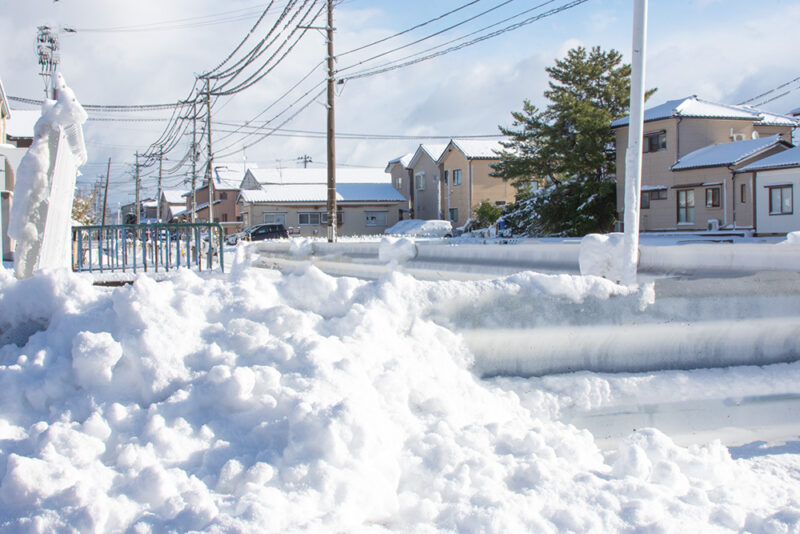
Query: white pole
x=633, y=156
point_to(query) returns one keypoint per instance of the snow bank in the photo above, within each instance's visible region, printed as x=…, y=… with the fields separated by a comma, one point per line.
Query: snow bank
x=396, y=250
x=41, y=213
x=602, y=255
x=421, y=228
x=301, y=402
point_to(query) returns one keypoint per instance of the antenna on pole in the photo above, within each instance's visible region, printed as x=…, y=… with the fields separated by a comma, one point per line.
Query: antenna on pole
x=47, y=49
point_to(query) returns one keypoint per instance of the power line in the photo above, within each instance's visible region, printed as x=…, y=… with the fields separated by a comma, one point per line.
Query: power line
x=401, y=63
x=103, y=107
x=762, y=95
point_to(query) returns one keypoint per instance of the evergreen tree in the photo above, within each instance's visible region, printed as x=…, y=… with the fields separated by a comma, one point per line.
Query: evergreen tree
x=568, y=147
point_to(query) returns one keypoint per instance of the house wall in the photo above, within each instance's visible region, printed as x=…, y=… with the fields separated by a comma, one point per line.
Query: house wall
x=426, y=200
x=353, y=217
x=402, y=182
x=776, y=224
x=225, y=211
x=744, y=207
x=486, y=187
x=714, y=177
x=456, y=196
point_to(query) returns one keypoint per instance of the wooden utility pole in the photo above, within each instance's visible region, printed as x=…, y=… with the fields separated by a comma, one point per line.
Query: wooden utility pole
x=210, y=167
x=158, y=197
x=331, y=132
x=306, y=159
x=138, y=186
x=194, y=159
x=105, y=194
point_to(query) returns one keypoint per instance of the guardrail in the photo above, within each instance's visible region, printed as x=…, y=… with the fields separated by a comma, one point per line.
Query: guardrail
x=134, y=247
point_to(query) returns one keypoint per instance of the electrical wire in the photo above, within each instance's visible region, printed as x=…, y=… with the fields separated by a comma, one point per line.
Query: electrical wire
x=103, y=107
x=762, y=95
x=407, y=61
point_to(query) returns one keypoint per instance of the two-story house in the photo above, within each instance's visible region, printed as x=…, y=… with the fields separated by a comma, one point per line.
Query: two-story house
x=774, y=183
x=402, y=178
x=692, y=149
x=465, y=167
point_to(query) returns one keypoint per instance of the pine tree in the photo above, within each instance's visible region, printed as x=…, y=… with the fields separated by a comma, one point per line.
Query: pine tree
x=568, y=147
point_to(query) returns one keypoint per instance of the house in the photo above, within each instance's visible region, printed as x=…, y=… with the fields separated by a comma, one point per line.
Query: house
x=367, y=203
x=774, y=183
x=465, y=168
x=692, y=150
x=227, y=179
x=402, y=179
x=424, y=168
x=148, y=211
x=173, y=201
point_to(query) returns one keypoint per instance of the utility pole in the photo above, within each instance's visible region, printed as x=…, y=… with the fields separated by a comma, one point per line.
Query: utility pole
x=194, y=159
x=105, y=193
x=138, y=186
x=633, y=156
x=47, y=48
x=331, y=136
x=306, y=159
x=210, y=167
x=158, y=198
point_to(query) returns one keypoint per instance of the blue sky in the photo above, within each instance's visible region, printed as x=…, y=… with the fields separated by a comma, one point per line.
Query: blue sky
x=721, y=50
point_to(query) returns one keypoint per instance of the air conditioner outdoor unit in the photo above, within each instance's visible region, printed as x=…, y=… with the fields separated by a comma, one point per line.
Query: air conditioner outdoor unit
x=713, y=225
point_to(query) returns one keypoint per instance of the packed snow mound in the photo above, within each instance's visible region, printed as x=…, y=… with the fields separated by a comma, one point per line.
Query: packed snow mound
x=421, y=228
x=602, y=255
x=262, y=402
x=396, y=250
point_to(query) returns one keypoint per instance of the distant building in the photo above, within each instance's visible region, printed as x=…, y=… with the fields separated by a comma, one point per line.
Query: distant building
x=776, y=190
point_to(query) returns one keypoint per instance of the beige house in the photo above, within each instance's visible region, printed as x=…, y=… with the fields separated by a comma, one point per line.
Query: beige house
x=774, y=183
x=367, y=202
x=692, y=149
x=225, y=209
x=465, y=169
x=173, y=201
x=424, y=169
x=402, y=180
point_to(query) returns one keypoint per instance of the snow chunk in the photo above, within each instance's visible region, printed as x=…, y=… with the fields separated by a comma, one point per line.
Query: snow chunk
x=397, y=250
x=602, y=255
x=93, y=357
x=421, y=228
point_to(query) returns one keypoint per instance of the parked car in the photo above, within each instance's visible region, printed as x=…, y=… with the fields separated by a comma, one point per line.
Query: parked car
x=259, y=232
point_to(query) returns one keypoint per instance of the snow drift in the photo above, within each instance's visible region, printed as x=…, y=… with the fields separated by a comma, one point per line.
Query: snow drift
x=301, y=402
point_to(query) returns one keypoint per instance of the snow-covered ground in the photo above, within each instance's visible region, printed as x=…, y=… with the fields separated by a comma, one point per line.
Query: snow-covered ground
x=256, y=401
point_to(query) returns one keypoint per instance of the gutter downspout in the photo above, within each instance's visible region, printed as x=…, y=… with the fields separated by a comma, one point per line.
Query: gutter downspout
x=733, y=196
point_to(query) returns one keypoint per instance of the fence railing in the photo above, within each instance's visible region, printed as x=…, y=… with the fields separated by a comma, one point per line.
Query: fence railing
x=144, y=247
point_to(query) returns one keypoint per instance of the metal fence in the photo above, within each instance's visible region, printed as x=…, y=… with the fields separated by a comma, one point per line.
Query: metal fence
x=144, y=247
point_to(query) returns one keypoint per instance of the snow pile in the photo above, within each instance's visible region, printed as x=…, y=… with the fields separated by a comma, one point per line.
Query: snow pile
x=396, y=250
x=41, y=213
x=602, y=255
x=301, y=402
x=421, y=228
x=792, y=238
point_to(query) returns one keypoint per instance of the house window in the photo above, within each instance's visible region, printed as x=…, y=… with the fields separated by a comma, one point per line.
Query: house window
x=655, y=141
x=224, y=217
x=419, y=182
x=743, y=193
x=652, y=194
x=446, y=176
x=644, y=202
x=456, y=176
x=375, y=218
x=309, y=218
x=499, y=203
x=780, y=200
x=399, y=182
x=275, y=218
x=339, y=217
x=223, y=195
x=712, y=197
x=685, y=206
x=453, y=214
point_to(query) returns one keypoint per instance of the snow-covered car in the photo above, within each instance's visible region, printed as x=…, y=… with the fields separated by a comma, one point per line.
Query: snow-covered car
x=421, y=228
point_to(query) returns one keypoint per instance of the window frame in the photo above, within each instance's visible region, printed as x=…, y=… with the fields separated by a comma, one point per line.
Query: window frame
x=688, y=206
x=377, y=222
x=743, y=193
x=309, y=216
x=453, y=214
x=419, y=181
x=339, y=218
x=273, y=215
x=457, y=177
x=781, y=189
x=659, y=145
x=713, y=197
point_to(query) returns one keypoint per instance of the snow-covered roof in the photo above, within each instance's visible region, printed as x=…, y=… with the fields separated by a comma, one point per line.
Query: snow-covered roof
x=149, y=203
x=477, y=149
x=228, y=178
x=432, y=150
x=301, y=193
x=725, y=154
x=698, y=108
x=21, y=122
x=174, y=196
x=199, y=207
x=301, y=175
x=404, y=160
x=782, y=160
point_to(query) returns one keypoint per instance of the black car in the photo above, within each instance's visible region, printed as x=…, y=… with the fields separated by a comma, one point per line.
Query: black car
x=266, y=231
